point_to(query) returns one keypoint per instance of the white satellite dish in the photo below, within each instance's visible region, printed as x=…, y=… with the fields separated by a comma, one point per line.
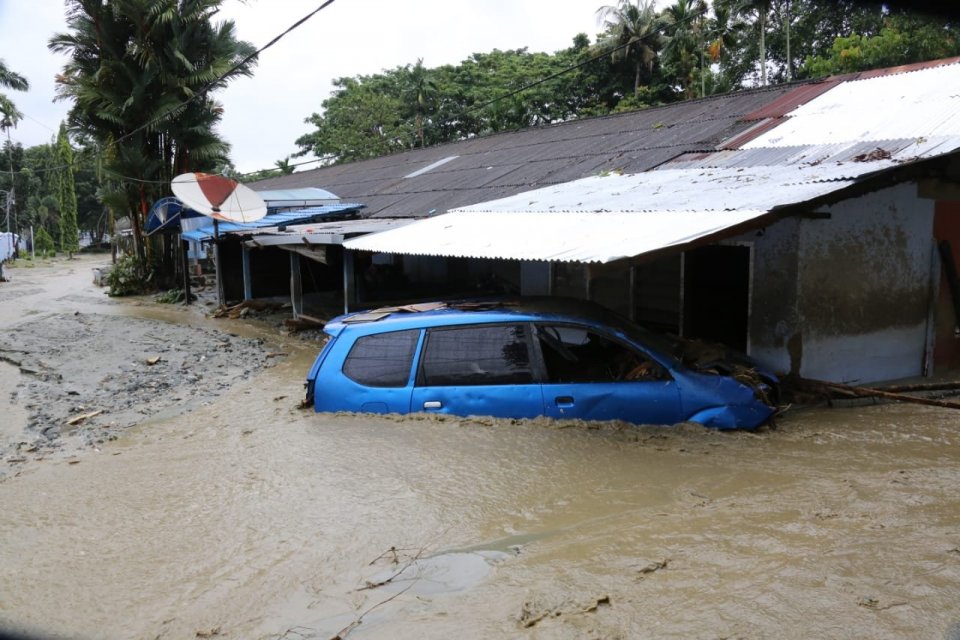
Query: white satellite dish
x=218, y=197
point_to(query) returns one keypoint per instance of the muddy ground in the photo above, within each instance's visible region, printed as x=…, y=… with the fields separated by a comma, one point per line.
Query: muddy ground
x=225, y=511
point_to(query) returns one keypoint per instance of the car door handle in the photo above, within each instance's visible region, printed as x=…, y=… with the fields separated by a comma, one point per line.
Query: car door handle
x=432, y=404
x=564, y=401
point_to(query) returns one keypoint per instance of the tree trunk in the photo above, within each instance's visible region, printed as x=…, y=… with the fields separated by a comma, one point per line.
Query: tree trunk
x=763, y=49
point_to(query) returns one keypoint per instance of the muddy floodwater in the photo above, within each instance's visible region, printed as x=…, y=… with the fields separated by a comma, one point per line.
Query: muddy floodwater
x=246, y=517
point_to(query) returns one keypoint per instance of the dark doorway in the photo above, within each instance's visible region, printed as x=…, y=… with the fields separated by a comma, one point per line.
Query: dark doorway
x=716, y=294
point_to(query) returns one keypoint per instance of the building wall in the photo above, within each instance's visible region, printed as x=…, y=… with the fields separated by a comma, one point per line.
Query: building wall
x=775, y=328
x=864, y=288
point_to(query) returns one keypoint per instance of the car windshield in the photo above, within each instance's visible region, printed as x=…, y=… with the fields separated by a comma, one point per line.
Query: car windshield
x=666, y=346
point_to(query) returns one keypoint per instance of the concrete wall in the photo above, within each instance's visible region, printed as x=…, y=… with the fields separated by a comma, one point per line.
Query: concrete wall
x=775, y=328
x=863, y=294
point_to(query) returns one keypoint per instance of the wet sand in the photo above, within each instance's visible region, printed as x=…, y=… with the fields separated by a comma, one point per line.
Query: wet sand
x=246, y=517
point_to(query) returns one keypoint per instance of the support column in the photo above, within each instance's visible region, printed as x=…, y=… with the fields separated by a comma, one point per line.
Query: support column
x=349, y=281
x=296, y=285
x=247, y=280
x=216, y=259
x=185, y=267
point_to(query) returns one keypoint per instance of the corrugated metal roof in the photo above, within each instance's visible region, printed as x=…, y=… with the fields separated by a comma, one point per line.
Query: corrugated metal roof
x=205, y=233
x=556, y=236
x=695, y=189
x=322, y=232
x=606, y=218
x=303, y=196
x=789, y=101
x=507, y=163
x=899, y=151
x=919, y=105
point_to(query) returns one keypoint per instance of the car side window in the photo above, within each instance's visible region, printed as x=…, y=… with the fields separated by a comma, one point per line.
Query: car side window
x=576, y=354
x=383, y=359
x=476, y=355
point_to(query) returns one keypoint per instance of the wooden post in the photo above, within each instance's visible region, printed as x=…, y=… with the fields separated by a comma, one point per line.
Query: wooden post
x=296, y=285
x=185, y=265
x=221, y=297
x=247, y=280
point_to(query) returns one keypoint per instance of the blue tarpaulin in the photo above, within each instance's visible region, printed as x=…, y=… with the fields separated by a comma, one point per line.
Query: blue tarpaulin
x=301, y=216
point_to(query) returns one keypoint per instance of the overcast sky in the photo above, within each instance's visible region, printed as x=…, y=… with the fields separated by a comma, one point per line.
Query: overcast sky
x=265, y=114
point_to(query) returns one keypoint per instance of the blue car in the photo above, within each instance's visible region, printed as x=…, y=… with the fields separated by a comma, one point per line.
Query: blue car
x=530, y=357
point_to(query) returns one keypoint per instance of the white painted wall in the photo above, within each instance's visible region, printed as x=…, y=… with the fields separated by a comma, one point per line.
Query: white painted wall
x=864, y=286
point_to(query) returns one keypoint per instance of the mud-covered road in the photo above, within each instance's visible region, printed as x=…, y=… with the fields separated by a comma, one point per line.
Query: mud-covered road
x=231, y=513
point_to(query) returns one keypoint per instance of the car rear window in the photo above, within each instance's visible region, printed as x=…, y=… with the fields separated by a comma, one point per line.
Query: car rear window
x=383, y=359
x=479, y=355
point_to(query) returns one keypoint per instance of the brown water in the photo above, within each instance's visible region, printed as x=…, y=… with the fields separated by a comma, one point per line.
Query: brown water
x=250, y=518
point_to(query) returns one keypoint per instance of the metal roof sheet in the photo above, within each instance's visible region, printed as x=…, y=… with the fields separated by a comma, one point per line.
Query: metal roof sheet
x=511, y=162
x=322, y=232
x=921, y=104
x=205, y=233
x=556, y=236
x=694, y=189
x=607, y=218
x=287, y=197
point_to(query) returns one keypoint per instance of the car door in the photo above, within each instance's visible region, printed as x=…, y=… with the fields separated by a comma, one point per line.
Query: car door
x=592, y=376
x=374, y=374
x=481, y=369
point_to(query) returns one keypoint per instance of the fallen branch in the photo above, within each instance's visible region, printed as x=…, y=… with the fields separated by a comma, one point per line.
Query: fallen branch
x=83, y=416
x=923, y=386
x=865, y=392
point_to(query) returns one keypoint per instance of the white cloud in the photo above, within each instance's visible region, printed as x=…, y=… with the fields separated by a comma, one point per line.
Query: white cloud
x=265, y=114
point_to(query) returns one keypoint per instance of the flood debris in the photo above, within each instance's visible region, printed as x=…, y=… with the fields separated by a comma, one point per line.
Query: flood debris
x=533, y=612
x=836, y=390
x=246, y=308
x=652, y=567
x=83, y=416
x=877, y=604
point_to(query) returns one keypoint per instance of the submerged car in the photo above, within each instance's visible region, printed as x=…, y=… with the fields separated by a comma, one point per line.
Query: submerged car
x=530, y=357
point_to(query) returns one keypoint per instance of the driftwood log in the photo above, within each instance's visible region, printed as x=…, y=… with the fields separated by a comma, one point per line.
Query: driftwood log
x=866, y=392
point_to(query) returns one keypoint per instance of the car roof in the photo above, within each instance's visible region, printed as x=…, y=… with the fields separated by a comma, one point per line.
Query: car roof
x=471, y=311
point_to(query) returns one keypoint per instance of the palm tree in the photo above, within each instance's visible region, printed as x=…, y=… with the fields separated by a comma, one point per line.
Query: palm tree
x=139, y=75
x=420, y=89
x=632, y=30
x=760, y=11
x=684, y=44
x=9, y=115
x=724, y=32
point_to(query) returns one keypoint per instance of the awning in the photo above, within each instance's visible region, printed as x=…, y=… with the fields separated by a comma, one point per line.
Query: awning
x=554, y=236
x=607, y=218
x=205, y=233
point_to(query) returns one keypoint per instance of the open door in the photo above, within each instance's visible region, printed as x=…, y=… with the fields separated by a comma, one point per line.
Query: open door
x=716, y=294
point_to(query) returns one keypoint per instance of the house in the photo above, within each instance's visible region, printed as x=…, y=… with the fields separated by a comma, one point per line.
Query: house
x=815, y=225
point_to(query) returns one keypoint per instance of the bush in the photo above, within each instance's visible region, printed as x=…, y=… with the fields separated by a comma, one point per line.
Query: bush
x=43, y=244
x=125, y=279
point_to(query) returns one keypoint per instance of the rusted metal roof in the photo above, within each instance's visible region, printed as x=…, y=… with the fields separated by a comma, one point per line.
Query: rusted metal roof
x=922, y=104
x=792, y=99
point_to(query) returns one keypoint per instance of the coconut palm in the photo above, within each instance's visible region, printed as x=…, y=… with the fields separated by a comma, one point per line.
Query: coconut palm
x=140, y=73
x=759, y=11
x=685, y=47
x=632, y=31
x=9, y=114
x=419, y=90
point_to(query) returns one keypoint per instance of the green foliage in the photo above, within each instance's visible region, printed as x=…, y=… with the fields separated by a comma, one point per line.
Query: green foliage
x=9, y=114
x=902, y=40
x=132, y=65
x=43, y=244
x=67, y=195
x=126, y=278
